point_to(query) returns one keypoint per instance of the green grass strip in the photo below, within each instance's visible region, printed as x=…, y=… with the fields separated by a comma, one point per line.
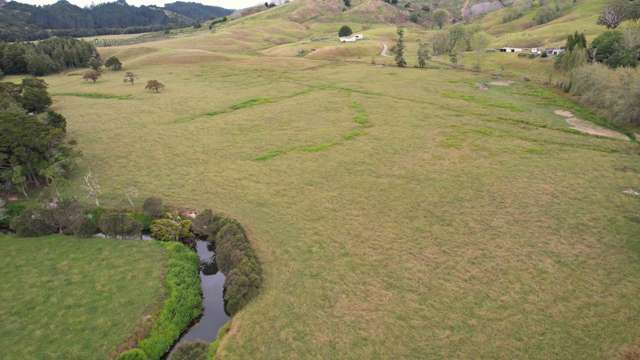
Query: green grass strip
x=97, y=96
x=182, y=305
x=269, y=155
x=483, y=101
x=251, y=103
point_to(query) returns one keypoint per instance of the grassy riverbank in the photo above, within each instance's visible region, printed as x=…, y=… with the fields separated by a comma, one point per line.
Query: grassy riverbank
x=67, y=298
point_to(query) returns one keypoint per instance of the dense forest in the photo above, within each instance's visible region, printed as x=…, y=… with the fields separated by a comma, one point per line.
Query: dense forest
x=45, y=57
x=23, y=22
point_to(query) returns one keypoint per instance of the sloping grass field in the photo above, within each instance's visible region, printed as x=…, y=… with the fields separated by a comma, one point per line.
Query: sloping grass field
x=398, y=213
x=66, y=298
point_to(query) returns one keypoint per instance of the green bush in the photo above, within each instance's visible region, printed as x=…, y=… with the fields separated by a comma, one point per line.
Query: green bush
x=546, y=14
x=133, y=354
x=182, y=305
x=33, y=223
x=345, y=31
x=144, y=220
x=237, y=260
x=615, y=92
x=119, y=225
x=166, y=230
x=207, y=224
x=153, y=208
x=85, y=228
x=196, y=350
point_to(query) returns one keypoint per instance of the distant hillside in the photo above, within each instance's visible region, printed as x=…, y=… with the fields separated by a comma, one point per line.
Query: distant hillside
x=197, y=11
x=29, y=22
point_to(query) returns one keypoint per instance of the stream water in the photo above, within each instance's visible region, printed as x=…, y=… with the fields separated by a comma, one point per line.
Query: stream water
x=212, y=283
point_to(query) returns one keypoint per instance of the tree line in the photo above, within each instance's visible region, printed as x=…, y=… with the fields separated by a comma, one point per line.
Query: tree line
x=45, y=57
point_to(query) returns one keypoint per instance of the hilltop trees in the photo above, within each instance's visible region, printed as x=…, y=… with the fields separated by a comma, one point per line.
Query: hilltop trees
x=440, y=17
x=113, y=63
x=345, y=31
x=618, y=11
x=400, y=61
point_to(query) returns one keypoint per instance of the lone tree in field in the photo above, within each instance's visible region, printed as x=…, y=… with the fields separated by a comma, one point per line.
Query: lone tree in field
x=423, y=55
x=91, y=75
x=440, y=17
x=400, y=61
x=345, y=31
x=113, y=63
x=130, y=77
x=154, y=85
x=479, y=43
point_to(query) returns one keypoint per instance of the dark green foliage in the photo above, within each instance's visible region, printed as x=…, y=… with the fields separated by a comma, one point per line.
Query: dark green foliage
x=44, y=57
x=32, y=223
x=345, y=31
x=182, y=305
x=56, y=120
x=237, y=260
x=609, y=48
x=196, y=350
x=34, y=97
x=144, y=220
x=207, y=224
x=113, y=63
x=11, y=211
x=133, y=354
x=120, y=225
x=32, y=150
x=400, y=61
x=197, y=11
x=85, y=228
x=347, y=3
x=153, y=207
x=95, y=63
x=577, y=40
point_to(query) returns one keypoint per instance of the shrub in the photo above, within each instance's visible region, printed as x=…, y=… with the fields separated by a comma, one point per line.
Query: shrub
x=66, y=215
x=182, y=305
x=195, y=350
x=120, y=225
x=236, y=259
x=615, y=92
x=11, y=211
x=113, y=63
x=133, y=354
x=33, y=223
x=546, y=14
x=85, y=228
x=166, y=230
x=153, y=208
x=345, y=31
x=207, y=224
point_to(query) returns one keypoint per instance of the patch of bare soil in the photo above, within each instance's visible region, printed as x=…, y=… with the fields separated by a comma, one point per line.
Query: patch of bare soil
x=589, y=128
x=501, y=83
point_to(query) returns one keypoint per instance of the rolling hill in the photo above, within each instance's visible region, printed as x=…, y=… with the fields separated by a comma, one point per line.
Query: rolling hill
x=29, y=22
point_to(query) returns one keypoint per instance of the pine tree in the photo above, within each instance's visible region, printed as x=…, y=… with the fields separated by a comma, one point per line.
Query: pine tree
x=400, y=61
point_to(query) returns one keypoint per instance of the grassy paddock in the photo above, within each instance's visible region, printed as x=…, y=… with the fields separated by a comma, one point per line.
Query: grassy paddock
x=453, y=223
x=66, y=298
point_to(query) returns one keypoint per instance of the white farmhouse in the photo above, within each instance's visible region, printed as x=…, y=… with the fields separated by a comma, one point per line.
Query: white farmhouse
x=351, y=38
x=511, y=50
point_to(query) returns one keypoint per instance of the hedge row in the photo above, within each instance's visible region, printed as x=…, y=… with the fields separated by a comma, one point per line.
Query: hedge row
x=235, y=258
x=182, y=306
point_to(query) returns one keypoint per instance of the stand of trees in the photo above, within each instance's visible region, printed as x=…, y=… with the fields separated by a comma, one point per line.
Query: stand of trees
x=33, y=147
x=45, y=57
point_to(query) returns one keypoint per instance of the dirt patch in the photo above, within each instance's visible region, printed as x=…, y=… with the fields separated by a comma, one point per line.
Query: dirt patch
x=588, y=127
x=563, y=113
x=501, y=83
